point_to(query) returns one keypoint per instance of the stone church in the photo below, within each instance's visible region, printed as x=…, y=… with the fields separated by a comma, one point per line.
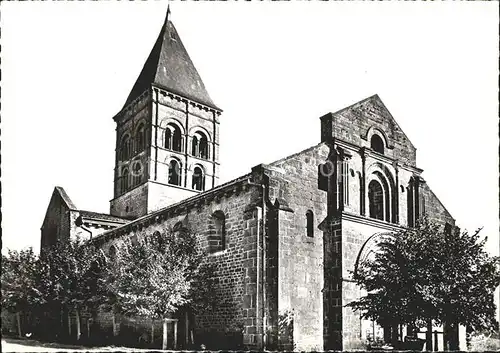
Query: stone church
x=286, y=235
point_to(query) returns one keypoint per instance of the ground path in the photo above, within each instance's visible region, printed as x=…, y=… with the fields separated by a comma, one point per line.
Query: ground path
x=24, y=345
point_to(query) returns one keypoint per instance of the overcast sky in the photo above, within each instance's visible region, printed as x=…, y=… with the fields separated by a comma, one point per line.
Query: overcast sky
x=274, y=68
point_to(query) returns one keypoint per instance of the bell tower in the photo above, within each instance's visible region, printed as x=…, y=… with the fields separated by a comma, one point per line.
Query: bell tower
x=167, y=133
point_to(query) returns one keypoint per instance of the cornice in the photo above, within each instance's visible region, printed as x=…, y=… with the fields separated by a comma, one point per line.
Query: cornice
x=368, y=152
x=131, y=104
x=370, y=221
x=176, y=95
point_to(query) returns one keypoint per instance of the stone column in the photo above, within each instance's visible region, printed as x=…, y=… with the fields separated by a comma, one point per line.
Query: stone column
x=396, y=195
x=362, y=198
x=186, y=147
x=344, y=165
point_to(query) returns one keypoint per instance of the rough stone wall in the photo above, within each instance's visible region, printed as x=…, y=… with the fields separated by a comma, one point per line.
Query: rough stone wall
x=353, y=124
x=293, y=182
x=332, y=291
x=434, y=208
x=127, y=123
x=235, y=266
x=132, y=204
x=56, y=224
x=159, y=195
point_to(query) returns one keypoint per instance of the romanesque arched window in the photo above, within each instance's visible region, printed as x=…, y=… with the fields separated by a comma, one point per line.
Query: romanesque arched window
x=203, y=146
x=310, y=223
x=124, y=182
x=195, y=146
x=137, y=172
x=140, y=138
x=218, y=240
x=199, y=145
x=377, y=144
x=174, y=172
x=173, y=138
x=376, y=200
x=125, y=148
x=198, y=179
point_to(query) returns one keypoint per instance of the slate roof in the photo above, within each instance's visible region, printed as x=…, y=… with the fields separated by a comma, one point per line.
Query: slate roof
x=170, y=67
x=102, y=216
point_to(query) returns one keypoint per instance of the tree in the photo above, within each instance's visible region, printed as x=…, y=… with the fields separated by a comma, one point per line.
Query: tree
x=157, y=274
x=71, y=278
x=426, y=273
x=20, y=277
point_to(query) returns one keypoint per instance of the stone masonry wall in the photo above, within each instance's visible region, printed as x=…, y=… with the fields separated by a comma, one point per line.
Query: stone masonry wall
x=56, y=223
x=293, y=183
x=131, y=204
x=352, y=124
x=433, y=207
x=235, y=266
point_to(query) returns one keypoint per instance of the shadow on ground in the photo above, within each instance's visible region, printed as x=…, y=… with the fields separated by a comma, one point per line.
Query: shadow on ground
x=31, y=345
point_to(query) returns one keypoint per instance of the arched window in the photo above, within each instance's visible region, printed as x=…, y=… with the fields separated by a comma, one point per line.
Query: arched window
x=310, y=223
x=198, y=180
x=174, y=172
x=199, y=145
x=137, y=172
x=124, y=180
x=140, y=138
x=376, y=199
x=125, y=148
x=173, y=138
x=377, y=144
x=218, y=239
x=203, y=146
x=194, y=146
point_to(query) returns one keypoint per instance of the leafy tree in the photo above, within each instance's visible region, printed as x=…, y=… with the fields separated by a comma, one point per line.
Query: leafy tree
x=71, y=277
x=155, y=275
x=426, y=273
x=20, y=277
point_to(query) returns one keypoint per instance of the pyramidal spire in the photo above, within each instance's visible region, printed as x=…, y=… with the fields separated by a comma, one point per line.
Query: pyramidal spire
x=169, y=67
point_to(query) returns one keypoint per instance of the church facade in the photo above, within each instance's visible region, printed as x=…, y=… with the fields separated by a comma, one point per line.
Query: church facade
x=285, y=237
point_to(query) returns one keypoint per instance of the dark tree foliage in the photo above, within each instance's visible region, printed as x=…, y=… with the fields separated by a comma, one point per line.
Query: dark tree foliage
x=156, y=275
x=424, y=273
x=71, y=278
x=65, y=277
x=20, y=283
